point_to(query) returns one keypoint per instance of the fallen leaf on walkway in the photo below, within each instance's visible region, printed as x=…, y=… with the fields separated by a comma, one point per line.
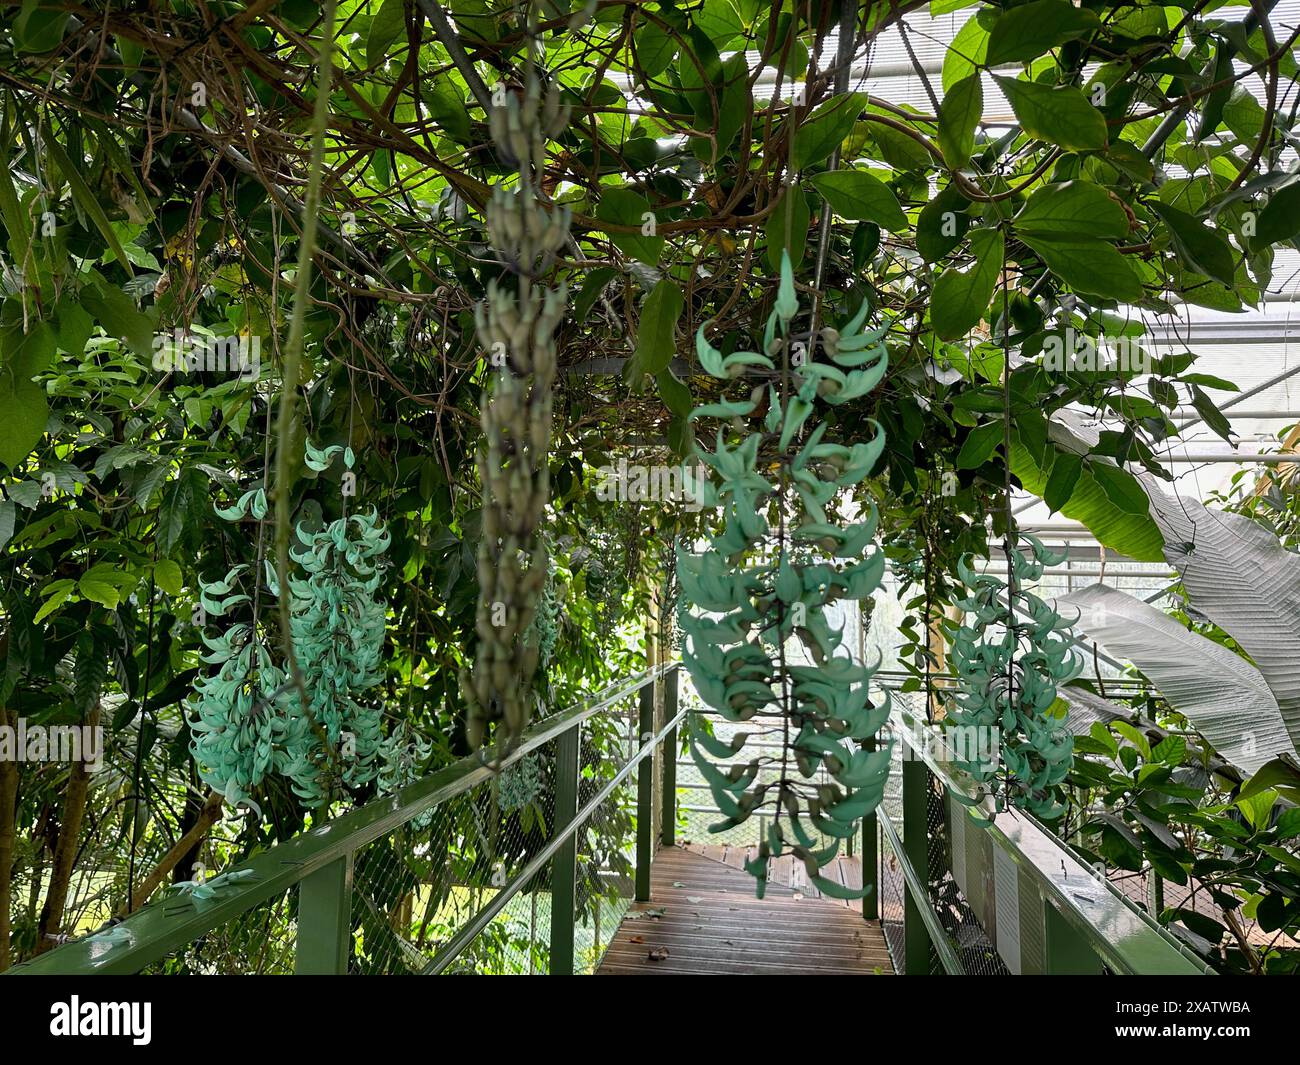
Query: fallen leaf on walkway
x=638, y=939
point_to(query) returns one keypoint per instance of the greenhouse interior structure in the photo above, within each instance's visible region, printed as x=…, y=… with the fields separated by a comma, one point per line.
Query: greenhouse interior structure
x=649, y=487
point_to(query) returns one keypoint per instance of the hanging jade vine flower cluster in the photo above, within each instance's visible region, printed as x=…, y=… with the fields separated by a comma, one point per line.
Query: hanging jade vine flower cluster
x=249, y=720
x=516, y=323
x=1010, y=653
x=761, y=647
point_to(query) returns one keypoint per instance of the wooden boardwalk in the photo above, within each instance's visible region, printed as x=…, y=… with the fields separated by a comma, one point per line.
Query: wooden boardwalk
x=703, y=913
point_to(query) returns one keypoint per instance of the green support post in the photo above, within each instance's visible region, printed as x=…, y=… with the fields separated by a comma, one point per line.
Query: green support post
x=668, y=835
x=916, y=938
x=1067, y=951
x=645, y=796
x=870, y=858
x=564, y=866
x=325, y=920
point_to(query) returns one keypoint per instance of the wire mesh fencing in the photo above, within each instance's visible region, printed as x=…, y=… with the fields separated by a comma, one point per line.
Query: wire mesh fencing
x=259, y=942
x=417, y=890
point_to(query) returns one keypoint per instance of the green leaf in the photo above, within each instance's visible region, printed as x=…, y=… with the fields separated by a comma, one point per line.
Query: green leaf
x=1029, y=31
x=961, y=298
x=821, y=132
x=1120, y=486
x=1129, y=533
x=1088, y=265
x=1202, y=249
x=446, y=102
x=23, y=410
x=1061, y=116
x=16, y=223
x=167, y=575
x=56, y=594
x=655, y=48
x=116, y=313
x=1210, y=414
x=959, y=114
x=969, y=50
x=84, y=198
x=675, y=394
x=8, y=515
x=794, y=205
x=1280, y=218
x=388, y=24
x=95, y=587
x=655, y=337
x=39, y=29
x=592, y=287
x=1073, y=208
x=625, y=207
x=861, y=197
x=1066, y=467
x=979, y=445
x=942, y=224
x=30, y=353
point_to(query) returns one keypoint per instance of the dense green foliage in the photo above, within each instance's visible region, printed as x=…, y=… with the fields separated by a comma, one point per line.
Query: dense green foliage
x=155, y=157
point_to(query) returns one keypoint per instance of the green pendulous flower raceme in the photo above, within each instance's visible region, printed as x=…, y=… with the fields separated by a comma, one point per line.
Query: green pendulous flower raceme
x=516, y=324
x=248, y=719
x=1010, y=653
x=761, y=593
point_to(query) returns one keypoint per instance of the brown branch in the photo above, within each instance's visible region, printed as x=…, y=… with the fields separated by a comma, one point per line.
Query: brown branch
x=208, y=817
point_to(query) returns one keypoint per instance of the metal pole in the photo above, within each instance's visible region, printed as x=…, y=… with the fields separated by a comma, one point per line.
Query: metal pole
x=916, y=845
x=668, y=833
x=564, y=868
x=645, y=796
x=325, y=920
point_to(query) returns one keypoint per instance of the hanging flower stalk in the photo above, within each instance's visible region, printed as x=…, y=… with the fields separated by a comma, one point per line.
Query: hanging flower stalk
x=1008, y=725
x=248, y=722
x=516, y=325
x=761, y=588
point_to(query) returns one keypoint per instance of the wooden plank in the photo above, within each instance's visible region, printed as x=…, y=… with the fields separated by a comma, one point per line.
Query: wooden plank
x=704, y=913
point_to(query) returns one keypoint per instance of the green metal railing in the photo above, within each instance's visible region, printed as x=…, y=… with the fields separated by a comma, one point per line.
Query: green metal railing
x=321, y=864
x=1037, y=904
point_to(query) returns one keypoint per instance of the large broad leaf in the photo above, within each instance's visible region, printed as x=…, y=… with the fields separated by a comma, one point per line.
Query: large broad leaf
x=629, y=208
x=388, y=24
x=1217, y=690
x=1103, y=501
x=961, y=297
x=959, y=114
x=1028, y=31
x=1061, y=116
x=1085, y=708
x=1073, y=208
x=968, y=51
x=821, y=132
x=1204, y=250
x=23, y=410
x=862, y=197
x=1280, y=218
x=655, y=342
x=1087, y=265
x=1239, y=576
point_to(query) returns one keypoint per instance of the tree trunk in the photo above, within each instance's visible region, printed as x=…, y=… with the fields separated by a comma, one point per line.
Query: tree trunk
x=65, y=850
x=208, y=817
x=8, y=843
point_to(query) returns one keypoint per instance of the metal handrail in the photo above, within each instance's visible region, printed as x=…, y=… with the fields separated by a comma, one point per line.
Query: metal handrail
x=168, y=924
x=484, y=916
x=921, y=896
x=1127, y=940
